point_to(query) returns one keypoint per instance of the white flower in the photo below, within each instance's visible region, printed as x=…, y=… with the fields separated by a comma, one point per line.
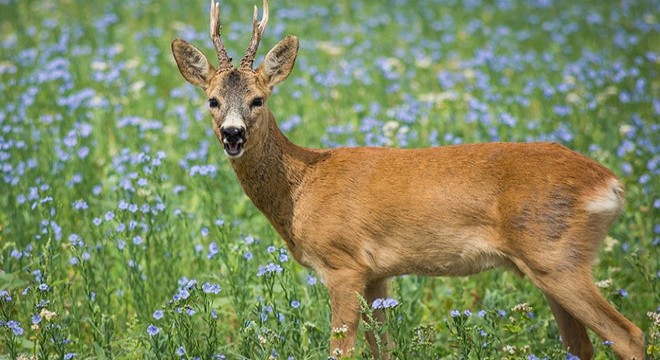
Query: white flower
x=604, y=283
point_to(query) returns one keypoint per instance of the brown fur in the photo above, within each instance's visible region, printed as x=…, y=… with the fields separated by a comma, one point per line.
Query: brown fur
x=361, y=215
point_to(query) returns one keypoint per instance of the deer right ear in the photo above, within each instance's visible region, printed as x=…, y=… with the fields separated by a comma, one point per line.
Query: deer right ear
x=279, y=61
x=192, y=63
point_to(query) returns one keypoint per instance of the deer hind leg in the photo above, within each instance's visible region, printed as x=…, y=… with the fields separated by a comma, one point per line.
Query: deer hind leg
x=573, y=333
x=375, y=290
x=577, y=295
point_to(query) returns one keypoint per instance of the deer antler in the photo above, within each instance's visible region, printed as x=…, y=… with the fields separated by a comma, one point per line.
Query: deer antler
x=257, y=30
x=223, y=58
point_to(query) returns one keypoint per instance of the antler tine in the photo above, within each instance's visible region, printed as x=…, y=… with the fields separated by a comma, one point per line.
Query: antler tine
x=223, y=57
x=257, y=31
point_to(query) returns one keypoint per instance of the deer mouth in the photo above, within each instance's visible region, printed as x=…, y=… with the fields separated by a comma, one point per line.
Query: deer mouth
x=233, y=149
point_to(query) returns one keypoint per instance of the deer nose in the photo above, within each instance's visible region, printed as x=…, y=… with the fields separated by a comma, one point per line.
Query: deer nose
x=233, y=134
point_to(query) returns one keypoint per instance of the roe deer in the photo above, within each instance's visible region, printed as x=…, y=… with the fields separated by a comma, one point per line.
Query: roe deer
x=358, y=216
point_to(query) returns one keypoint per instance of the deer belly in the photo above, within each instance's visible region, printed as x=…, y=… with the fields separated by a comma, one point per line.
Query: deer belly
x=462, y=253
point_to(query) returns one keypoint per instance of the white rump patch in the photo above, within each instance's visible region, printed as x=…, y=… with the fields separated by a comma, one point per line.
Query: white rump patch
x=608, y=199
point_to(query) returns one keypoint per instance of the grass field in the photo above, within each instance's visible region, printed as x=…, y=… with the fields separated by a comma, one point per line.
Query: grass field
x=123, y=230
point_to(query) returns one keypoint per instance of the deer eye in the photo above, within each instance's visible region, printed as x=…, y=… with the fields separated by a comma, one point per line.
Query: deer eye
x=257, y=102
x=213, y=102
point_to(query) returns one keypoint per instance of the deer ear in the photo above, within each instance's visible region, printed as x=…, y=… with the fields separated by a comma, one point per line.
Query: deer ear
x=192, y=63
x=279, y=61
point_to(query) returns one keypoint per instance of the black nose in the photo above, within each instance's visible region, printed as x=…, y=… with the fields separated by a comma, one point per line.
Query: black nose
x=233, y=134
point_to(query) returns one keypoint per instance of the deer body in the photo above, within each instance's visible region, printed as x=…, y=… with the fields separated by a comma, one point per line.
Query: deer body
x=453, y=210
x=358, y=216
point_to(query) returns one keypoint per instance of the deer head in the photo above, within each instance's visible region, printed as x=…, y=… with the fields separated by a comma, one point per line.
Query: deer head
x=237, y=95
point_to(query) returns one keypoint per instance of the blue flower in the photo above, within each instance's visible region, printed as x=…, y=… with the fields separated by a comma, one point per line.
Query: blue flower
x=83, y=152
x=562, y=110
x=377, y=304
x=137, y=240
x=622, y=292
x=44, y=287
x=213, y=250
x=80, y=205
x=390, y=303
x=15, y=327
x=36, y=319
x=189, y=284
x=249, y=240
x=76, y=240
x=295, y=304
x=455, y=313
x=269, y=269
x=152, y=330
x=181, y=351
x=181, y=295
x=69, y=356
x=311, y=280
x=211, y=288
x=42, y=304
x=158, y=314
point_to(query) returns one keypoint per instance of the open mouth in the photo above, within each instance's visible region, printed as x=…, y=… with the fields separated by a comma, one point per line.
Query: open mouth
x=233, y=149
x=233, y=138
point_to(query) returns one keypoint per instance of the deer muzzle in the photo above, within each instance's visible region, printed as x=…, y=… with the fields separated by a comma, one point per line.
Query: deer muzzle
x=232, y=140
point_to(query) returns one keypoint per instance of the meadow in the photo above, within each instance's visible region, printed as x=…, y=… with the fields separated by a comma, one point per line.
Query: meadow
x=124, y=233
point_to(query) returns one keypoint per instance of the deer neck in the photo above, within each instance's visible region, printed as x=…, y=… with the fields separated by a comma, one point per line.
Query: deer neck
x=271, y=173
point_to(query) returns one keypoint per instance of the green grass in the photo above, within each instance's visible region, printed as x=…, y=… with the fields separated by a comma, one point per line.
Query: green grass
x=116, y=200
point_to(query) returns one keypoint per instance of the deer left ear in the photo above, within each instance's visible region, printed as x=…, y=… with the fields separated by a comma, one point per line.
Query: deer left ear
x=192, y=63
x=279, y=61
